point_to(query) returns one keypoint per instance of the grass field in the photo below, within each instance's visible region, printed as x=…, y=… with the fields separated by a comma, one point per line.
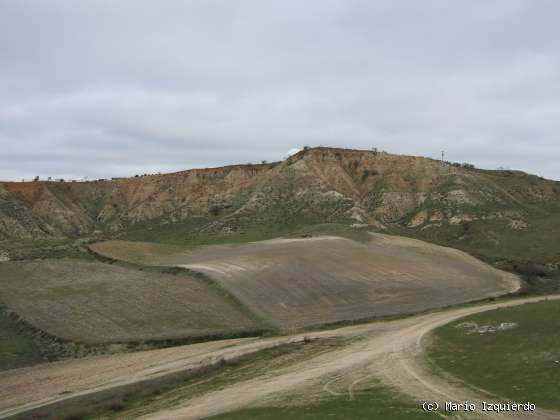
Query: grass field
x=142, y=253
x=495, y=240
x=98, y=303
x=30, y=249
x=375, y=402
x=160, y=246
x=521, y=363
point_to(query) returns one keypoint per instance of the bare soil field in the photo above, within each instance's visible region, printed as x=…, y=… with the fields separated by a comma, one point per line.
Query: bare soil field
x=296, y=283
x=98, y=303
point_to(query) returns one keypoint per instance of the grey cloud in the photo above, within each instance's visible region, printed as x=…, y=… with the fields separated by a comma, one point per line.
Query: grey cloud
x=100, y=89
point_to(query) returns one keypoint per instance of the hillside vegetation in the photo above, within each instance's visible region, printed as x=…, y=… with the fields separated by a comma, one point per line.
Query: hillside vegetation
x=314, y=186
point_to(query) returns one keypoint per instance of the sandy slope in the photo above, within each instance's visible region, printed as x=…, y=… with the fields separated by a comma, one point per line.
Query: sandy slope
x=390, y=351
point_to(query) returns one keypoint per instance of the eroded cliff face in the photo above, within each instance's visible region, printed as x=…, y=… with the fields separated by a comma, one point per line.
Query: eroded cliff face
x=316, y=185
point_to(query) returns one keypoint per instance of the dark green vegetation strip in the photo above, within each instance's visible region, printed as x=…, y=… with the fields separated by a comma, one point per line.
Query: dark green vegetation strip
x=198, y=231
x=521, y=363
x=17, y=348
x=22, y=344
x=31, y=249
x=374, y=402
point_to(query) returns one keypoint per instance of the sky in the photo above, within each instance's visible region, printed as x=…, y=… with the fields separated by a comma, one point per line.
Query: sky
x=96, y=89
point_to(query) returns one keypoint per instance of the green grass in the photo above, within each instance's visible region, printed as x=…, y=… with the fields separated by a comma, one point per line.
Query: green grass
x=522, y=364
x=375, y=402
x=45, y=248
x=22, y=344
x=191, y=234
x=495, y=240
x=17, y=349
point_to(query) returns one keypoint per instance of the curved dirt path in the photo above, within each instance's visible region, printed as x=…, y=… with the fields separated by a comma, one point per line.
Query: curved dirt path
x=389, y=350
x=392, y=352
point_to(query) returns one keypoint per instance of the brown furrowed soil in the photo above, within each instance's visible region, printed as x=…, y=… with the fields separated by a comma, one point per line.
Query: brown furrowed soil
x=99, y=303
x=295, y=283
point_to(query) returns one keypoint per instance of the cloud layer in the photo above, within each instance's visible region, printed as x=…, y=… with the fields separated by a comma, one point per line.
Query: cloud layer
x=103, y=88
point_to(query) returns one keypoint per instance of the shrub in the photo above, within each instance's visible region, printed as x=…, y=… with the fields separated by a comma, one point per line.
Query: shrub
x=215, y=210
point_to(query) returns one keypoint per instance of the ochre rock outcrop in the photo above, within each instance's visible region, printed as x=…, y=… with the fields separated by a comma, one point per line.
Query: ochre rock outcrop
x=318, y=184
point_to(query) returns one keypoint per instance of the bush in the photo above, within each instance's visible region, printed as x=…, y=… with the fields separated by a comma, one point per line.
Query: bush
x=215, y=210
x=368, y=172
x=117, y=406
x=530, y=269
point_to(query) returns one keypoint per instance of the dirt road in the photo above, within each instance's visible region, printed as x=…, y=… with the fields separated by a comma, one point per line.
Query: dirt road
x=392, y=352
x=388, y=350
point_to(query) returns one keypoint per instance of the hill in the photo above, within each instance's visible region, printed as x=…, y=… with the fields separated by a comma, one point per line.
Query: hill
x=494, y=214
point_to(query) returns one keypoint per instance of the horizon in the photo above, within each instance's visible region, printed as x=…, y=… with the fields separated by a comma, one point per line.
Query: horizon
x=99, y=89
x=54, y=179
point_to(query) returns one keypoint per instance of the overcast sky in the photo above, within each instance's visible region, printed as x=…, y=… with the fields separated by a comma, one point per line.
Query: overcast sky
x=113, y=88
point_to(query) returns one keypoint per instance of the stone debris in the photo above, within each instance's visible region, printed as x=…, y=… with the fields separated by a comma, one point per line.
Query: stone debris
x=359, y=225
x=473, y=327
x=518, y=224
